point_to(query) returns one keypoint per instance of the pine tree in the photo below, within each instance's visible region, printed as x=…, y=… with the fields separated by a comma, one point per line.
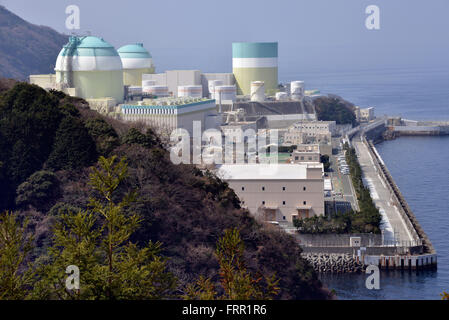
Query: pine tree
x=97, y=242
x=15, y=247
x=236, y=281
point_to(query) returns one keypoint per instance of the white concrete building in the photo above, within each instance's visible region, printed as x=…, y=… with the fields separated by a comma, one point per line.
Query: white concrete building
x=306, y=153
x=280, y=192
x=174, y=78
x=364, y=114
x=169, y=114
x=315, y=127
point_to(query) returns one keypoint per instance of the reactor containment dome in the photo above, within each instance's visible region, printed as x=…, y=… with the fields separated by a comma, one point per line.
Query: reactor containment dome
x=92, y=67
x=136, y=61
x=255, y=61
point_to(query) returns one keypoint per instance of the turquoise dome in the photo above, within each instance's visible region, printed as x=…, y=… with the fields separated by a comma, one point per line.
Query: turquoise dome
x=88, y=53
x=134, y=51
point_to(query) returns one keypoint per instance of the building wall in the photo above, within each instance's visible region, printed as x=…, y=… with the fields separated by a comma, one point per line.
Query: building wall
x=133, y=77
x=274, y=196
x=174, y=78
x=46, y=81
x=168, y=119
x=244, y=77
x=97, y=84
x=301, y=157
x=255, y=61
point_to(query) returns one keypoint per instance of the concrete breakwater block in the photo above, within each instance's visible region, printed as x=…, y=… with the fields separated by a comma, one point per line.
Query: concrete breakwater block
x=333, y=263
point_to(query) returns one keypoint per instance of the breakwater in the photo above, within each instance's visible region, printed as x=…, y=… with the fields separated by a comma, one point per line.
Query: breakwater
x=334, y=262
x=404, y=209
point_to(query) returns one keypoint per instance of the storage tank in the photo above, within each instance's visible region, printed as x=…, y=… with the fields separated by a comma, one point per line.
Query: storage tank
x=297, y=90
x=91, y=66
x=211, y=86
x=257, y=91
x=190, y=91
x=281, y=96
x=255, y=61
x=225, y=94
x=159, y=91
x=136, y=61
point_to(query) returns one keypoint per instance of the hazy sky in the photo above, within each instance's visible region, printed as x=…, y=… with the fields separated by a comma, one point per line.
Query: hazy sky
x=313, y=35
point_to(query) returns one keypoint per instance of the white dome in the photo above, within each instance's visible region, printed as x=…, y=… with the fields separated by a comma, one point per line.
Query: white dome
x=88, y=54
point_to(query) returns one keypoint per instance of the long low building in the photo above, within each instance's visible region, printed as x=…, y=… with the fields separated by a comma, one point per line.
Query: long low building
x=282, y=192
x=170, y=114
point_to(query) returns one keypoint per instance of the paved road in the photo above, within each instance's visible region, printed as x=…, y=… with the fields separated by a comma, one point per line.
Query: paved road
x=341, y=183
x=393, y=223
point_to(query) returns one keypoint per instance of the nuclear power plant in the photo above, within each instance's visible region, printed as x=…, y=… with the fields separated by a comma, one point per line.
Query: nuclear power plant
x=124, y=84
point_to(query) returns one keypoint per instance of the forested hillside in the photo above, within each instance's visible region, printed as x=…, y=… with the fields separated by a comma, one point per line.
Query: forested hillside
x=49, y=146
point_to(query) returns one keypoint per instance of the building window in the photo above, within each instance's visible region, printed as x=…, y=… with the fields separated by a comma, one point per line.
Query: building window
x=283, y=217
x=283, y=203
x=263, y=188
x=296, y=158
x=304, y=202
x=243, y=188
x=304, y=188
x=263, y=202
x=283, y=188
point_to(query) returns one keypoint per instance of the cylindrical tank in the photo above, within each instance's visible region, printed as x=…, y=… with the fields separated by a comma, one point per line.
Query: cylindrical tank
x=159, y=91
x=297, y=90
x=190, y=91
x=281, y=96
x=211, y=85
x=91, y=66
x=257, y=91
x=253, y=61
x=136, y=61
x=225, y=94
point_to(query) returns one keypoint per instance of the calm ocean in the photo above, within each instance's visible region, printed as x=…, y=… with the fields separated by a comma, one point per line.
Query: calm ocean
x=419, y=166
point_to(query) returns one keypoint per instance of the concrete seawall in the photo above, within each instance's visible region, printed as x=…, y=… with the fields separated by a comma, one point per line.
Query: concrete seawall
x=412, y=250
x=404, y=209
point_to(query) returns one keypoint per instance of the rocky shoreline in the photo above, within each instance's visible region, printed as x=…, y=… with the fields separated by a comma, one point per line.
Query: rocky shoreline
x=334, y=263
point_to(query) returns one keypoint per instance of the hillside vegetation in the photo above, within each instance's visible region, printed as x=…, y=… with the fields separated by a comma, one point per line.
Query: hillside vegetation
x=49, y=145
x=334, y=108
x=26, y=48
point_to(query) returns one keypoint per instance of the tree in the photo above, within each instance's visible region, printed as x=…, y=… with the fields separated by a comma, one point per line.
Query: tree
x=236, y=281
x=97, y=242
x=73, y=146
x=39, y=190
x=326, y=163
x=134, y=136
x=15, y=248
x=106, y=139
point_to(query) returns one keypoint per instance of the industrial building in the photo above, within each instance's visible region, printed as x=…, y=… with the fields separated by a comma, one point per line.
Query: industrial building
x=364, y=114
x=136, y=61
x=305, y=153
x=173, y=79
x=90, y=67
x=255, y=61
x=169, y=114
x=283, y=192
x=87, y=67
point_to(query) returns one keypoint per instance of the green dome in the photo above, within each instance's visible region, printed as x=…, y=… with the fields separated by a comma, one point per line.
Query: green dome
x=89, y=53
x=134, y=51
